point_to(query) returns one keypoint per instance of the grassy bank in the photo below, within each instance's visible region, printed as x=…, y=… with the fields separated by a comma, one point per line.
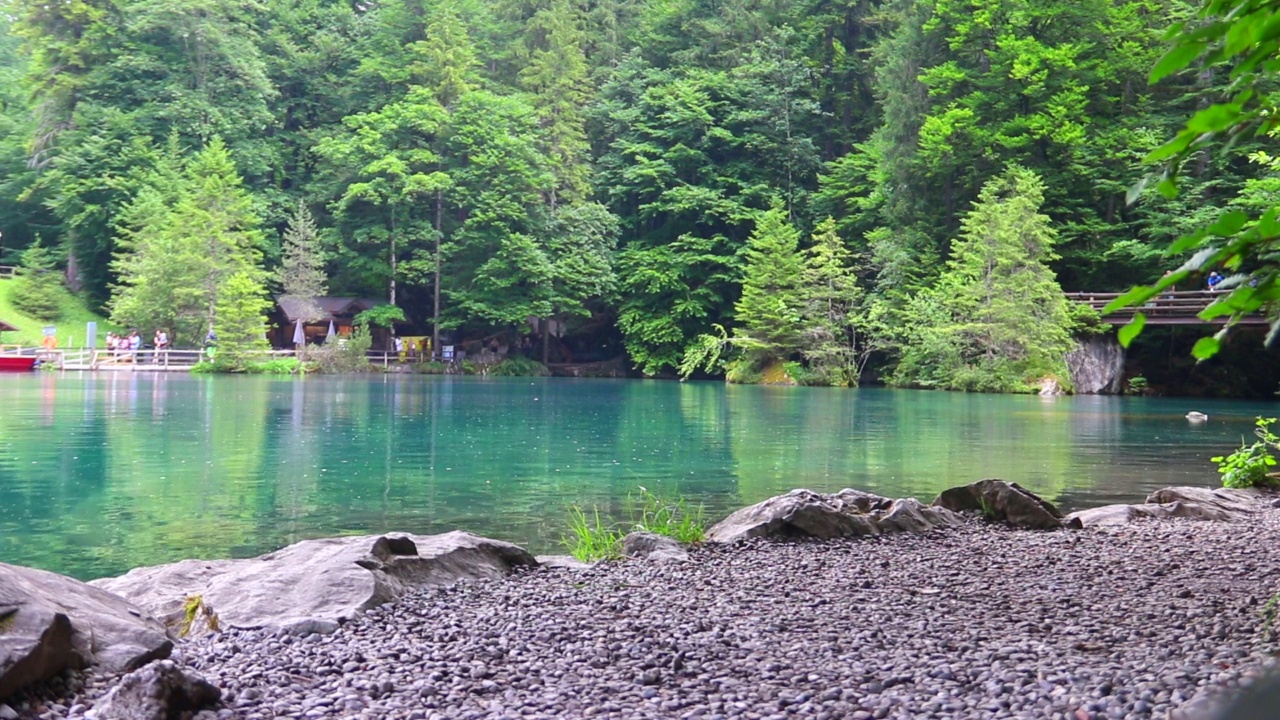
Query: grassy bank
x=71, y=323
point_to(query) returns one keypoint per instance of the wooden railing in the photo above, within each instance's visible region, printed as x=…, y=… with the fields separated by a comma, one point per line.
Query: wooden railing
x=1181, y=307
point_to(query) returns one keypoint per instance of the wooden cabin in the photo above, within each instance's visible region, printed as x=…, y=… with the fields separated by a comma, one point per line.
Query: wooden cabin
x=338, y=311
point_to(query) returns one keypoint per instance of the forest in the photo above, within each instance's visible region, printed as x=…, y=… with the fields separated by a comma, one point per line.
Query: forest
x=738, y=187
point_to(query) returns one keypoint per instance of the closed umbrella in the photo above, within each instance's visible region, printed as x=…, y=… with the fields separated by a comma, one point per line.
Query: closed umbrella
x=299, y=337
x=331, y=330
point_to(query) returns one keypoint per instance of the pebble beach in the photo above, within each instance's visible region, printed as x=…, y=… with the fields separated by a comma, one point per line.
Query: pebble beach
x=1150, y=620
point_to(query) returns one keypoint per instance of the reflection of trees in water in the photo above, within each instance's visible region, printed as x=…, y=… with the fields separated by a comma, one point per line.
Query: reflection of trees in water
x=896, y=443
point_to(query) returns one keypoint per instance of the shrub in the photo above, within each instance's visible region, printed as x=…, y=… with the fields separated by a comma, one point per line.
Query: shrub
x=39, y=295
x=1250, y=466
x=275, y=366
x=1137, y=385
x=519, y=367
x=339, y=356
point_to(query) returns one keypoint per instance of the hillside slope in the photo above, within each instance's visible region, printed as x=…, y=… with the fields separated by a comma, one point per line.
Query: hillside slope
x=71, y=325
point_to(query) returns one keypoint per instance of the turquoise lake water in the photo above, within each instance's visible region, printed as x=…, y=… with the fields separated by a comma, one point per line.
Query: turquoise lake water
x=102, y=473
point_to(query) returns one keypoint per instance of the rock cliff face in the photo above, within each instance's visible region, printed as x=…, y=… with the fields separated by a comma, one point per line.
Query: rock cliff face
x=1097, y=366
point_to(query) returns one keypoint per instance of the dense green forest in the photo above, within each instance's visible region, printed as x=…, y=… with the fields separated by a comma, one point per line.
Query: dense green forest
x=702, y=185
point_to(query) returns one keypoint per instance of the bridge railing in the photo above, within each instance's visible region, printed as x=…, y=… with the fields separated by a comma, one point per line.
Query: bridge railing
x=1182, y=305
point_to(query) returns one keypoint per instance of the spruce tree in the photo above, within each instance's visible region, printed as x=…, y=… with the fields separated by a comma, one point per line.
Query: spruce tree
x=770, y=310
x=302, y=265
x=832, y=300
x=241, y=321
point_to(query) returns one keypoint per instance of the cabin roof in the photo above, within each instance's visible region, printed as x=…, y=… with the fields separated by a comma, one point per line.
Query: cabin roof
x=334, y=308
x=6, y=327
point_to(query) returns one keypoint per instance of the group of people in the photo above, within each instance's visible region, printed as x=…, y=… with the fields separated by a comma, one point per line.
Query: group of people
x=119, y=344
x=419, y=349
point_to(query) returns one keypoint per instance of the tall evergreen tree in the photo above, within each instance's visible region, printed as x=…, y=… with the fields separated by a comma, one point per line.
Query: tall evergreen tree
x=301, y=273
x=770, y=310
x=997, y=319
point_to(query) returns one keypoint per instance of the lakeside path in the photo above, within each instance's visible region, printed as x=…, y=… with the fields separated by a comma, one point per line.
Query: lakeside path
x=977, y=622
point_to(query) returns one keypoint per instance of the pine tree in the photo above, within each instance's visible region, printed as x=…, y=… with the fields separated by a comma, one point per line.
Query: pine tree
x=38, y=290
x=834, y=343
x=302, y=265
x=769, y=311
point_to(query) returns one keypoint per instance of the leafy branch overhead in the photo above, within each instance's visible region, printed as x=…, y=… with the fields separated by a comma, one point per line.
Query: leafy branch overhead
x=1241, y=38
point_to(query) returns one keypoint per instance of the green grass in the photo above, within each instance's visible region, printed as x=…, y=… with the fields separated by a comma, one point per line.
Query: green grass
x=70, y=325
x=593, y=538
x=673, y=517
x=590, y=538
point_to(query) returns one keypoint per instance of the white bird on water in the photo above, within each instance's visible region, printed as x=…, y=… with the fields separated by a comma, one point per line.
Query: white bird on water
x=1197, y=417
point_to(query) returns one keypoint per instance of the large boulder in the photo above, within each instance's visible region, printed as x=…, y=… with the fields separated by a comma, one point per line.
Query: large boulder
x=313, y=585
x=651, y=546
x=1191, y=503
x=848, y=513
x=1004, y=502
x=50, y=623
x=159, y=691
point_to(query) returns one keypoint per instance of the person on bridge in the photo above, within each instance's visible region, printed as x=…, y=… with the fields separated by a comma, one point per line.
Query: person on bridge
x=1214, y=279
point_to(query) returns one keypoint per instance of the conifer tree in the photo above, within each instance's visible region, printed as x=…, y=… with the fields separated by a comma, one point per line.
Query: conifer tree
x=997, y=319
x=241, y=320
x=302, y=265
x=769, y=311
x=832, y=301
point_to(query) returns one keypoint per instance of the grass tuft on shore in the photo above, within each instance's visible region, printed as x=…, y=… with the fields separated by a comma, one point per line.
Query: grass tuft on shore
x=592, y=538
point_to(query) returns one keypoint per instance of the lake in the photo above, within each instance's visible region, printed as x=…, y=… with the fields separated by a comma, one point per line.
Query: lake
x=101, y=473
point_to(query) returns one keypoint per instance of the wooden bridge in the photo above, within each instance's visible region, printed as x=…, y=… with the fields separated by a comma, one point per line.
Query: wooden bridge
x=1167, y=308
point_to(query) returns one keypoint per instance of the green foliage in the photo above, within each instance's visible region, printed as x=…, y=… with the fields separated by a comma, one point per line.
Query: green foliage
x=301, y=273
x=381, y=315
x=240, y=320
x=769, y=311
x=275, y=366
x=590, y=538
x=38, y=291
x=339, y=355
x=1137, y=385
x=673, y=517
x=519, y=367
x=1251, y=465
x=996, y=321
x=1240, y=38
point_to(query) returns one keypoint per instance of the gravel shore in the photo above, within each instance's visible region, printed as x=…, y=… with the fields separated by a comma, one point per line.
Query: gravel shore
x=979, y=622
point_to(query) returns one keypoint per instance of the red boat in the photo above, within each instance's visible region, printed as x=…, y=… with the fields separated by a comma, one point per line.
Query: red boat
x=13, y=363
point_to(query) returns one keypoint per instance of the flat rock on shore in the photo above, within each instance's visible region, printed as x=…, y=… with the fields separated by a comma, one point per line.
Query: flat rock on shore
x=50, y=623
x=848, y=513
x=313, y=585
x=1191, y=503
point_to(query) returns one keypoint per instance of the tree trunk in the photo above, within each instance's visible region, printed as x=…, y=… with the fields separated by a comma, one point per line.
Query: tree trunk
x=435, y=301
x=546, y=340
x=391, y=290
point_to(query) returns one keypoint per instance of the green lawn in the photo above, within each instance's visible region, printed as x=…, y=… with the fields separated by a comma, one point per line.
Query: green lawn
x=71, y=326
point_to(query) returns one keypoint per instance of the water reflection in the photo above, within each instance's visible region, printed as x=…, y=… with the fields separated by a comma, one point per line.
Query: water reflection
x=99, y=474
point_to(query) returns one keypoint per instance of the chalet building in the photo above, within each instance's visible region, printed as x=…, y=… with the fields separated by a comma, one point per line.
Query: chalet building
x=338, y=319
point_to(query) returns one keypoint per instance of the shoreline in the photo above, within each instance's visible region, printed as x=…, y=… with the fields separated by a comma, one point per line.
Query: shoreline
x=976, y=620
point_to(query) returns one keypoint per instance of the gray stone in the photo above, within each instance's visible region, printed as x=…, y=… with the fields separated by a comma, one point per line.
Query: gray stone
x=650, y=546
x=1002, y=502
x=50, y=623
x=562, y=562
x=1192, y=503
x=314, y=585
x=8, y=713
x=159, y=691
x=1096, y=366
x=848, y=513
